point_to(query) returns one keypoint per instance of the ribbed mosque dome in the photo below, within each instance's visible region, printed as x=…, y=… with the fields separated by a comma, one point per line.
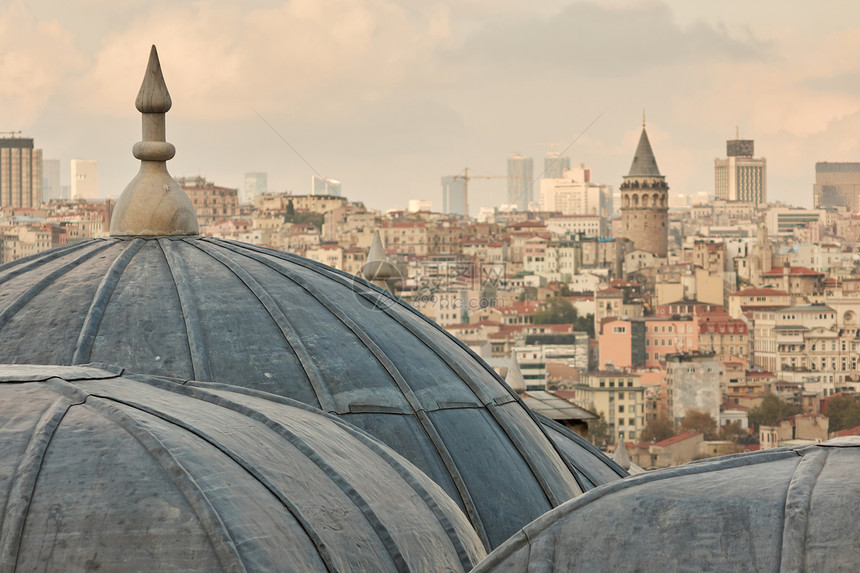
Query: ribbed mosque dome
x=774, y=510
x=158, y=299
x=100, y=471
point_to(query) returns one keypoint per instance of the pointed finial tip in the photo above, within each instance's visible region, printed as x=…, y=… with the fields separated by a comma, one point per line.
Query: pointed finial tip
x=643, y=117
x=153, y=96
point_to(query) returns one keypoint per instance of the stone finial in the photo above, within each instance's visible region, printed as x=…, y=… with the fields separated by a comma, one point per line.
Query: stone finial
x=621, y=457
x=153, y=204
x=514, y=377
x=377, y=269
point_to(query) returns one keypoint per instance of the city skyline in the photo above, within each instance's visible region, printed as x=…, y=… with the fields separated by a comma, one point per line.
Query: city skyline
x=392, y=97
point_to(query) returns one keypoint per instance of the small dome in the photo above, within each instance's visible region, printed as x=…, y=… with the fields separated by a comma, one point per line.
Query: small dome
x=774, y=510
x=219, y=311
x=107, y=472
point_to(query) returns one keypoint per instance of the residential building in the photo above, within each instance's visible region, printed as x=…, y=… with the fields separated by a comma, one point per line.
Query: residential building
x=693, y=382
x=20, y=173
x=211, y=201
x=741, y=177
x=619, y=396
x=575, y=194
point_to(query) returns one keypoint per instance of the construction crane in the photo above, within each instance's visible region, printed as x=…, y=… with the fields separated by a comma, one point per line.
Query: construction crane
x=466, y=178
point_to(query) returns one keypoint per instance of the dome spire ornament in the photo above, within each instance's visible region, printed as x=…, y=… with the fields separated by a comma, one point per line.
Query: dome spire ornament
x=377, y=269
x=153, y=204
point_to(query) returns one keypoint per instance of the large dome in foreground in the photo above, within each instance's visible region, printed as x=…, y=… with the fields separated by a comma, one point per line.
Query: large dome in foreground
x=100, y=471
x=216, y=311
x=158, y=299
x=792, y=509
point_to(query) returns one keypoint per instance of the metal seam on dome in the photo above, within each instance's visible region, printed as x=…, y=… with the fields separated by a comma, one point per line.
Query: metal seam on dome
x=196, y=341
x=22, y=299
x=26, y=475
x=543, y=420
x=323, y=394
x=448, y=462
x=210, y=520
x=548, y=492
x=86, y=338
x=798, y=499
x=296, y=441
x=347, y=278
x=426, y=423
x=237, y=458
x=419, y=489
x=27, y=264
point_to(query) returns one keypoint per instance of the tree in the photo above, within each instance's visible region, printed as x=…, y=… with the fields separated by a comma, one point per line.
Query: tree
x=291, y=210
x=529, y=293
x=843, y=412
x=735, y=433
x=556, y=311
x=772, y=411
x=585, y=324
x=701, y=422
x=599, y=432
x=657, y=430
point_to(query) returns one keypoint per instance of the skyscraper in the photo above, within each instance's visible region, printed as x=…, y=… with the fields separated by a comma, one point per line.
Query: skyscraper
x=520, y=176
x=837, y=184
x=324, y=186
x=554, y=165
x=85, y=179
x=741, y=177
x=644, y=201
x=20, y=173
x=454, y=195
x=51, y=188
x=256, y=183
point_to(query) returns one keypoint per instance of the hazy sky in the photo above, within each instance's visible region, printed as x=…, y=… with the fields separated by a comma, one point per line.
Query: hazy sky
x=388, y=96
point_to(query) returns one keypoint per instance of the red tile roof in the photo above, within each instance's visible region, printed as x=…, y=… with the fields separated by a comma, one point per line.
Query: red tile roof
x=678, y=438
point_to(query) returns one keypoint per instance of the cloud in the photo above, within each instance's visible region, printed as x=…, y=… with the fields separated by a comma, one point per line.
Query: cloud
x=301, y=58
x=36, y=58
x=589, y=39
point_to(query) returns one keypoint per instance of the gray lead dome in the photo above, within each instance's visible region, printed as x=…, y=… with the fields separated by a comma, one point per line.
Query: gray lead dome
x=776, y=510
x=219, y=311
x=100, y=471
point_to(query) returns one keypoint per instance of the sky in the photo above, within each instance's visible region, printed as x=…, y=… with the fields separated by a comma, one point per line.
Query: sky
x=389, y=96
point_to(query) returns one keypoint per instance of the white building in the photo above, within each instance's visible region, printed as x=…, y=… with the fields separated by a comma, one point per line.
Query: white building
x=324, y=186
x=575, y=194
x=85, y=179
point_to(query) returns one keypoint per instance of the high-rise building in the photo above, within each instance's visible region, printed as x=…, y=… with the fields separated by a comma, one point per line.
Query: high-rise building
x=324, y=186
x=20, y=173
x=741, y=177
x=520, y=176
x=645, y=202
x=256, y=184
x=454, y=195
x=554, y=165
x=85, y=179
x=51, y=188
x=837, y=185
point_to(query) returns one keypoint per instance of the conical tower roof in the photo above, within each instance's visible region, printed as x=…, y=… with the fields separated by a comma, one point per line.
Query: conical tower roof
x=644, y=164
